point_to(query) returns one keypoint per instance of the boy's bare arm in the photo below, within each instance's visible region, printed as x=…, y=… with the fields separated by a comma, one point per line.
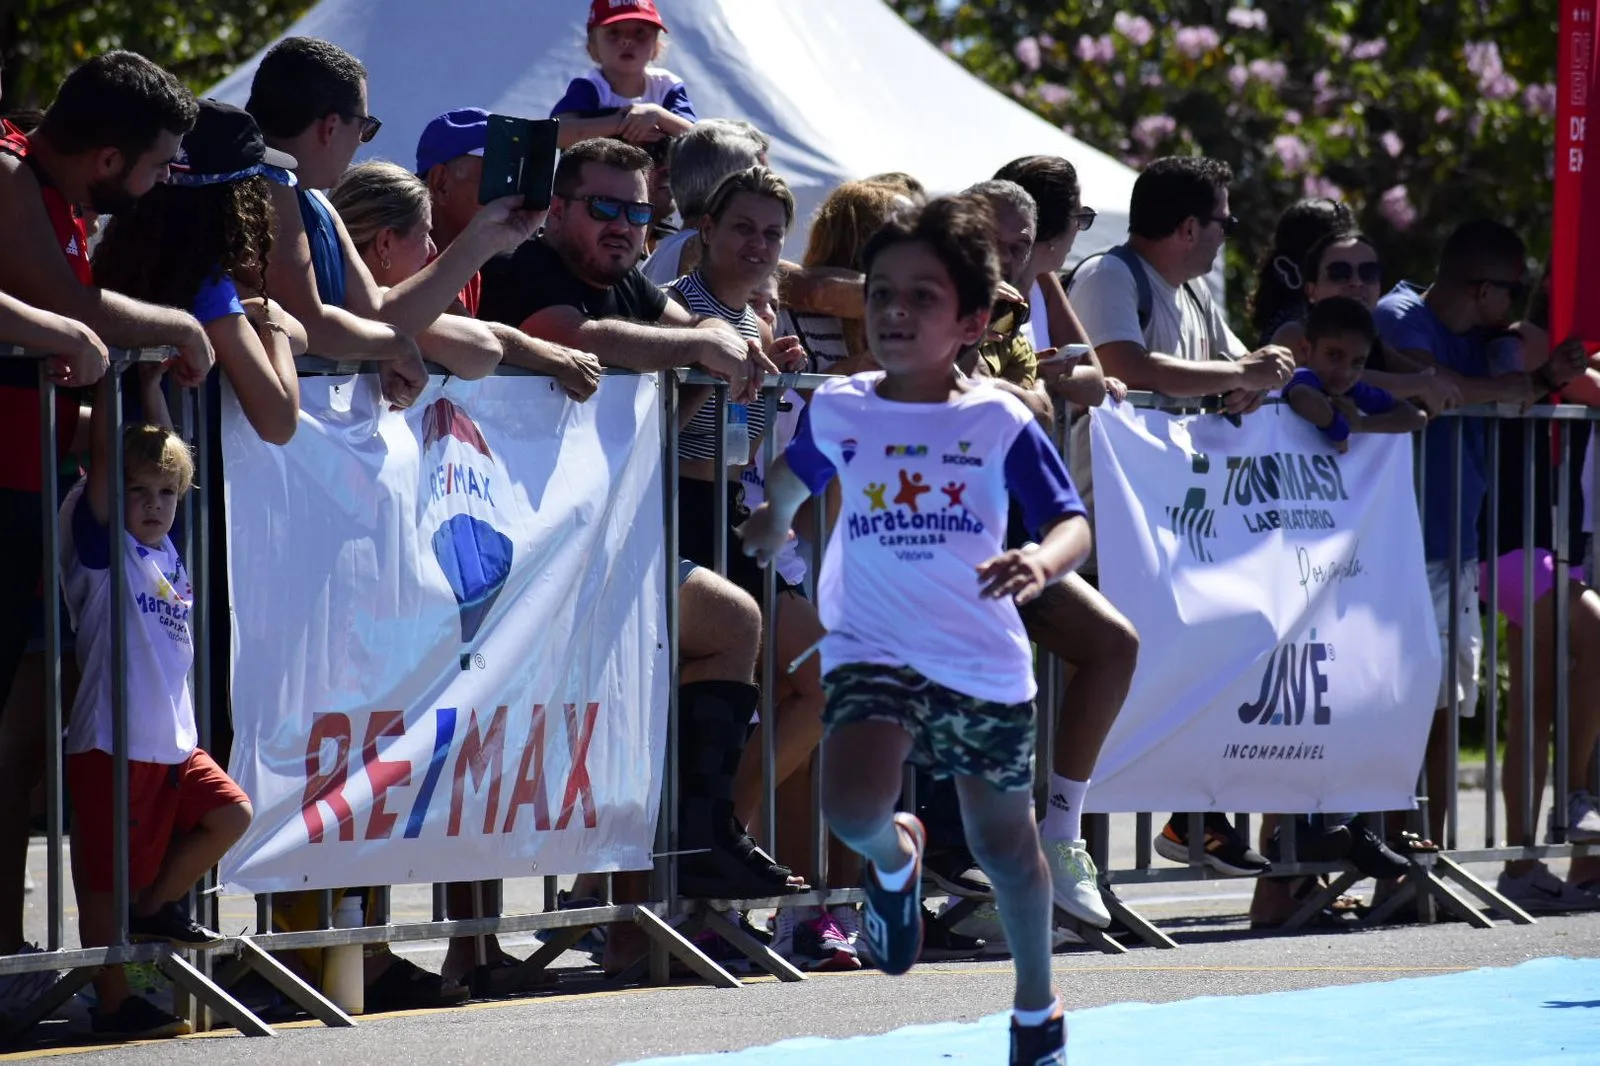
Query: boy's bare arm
x=1401, y=418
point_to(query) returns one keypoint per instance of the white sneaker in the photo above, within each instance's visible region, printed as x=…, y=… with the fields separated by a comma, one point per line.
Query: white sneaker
x=1076, y=882
x=1583, y=819
x=1539, y=890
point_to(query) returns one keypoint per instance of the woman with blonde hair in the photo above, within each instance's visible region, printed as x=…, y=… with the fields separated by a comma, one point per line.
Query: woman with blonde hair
x=844, y=222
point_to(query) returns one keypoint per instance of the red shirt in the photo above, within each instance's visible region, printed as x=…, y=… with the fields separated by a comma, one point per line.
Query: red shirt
x=19, y=381
x=472, y=294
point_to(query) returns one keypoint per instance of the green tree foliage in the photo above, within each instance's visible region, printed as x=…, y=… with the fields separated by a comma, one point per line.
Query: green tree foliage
x=41, y=40
x=1419, y=115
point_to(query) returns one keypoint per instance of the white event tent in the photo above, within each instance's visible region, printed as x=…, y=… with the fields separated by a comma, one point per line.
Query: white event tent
x=844, y=88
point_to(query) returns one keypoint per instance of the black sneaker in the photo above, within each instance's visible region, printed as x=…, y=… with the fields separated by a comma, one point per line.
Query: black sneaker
x=941, y=943
x=893, y=920
x=172, y=925
x=1041, y=1045
x=955, y=872
x=1370, y=855
x=1313, y=842
x=1225, y=850
x=137, y=1019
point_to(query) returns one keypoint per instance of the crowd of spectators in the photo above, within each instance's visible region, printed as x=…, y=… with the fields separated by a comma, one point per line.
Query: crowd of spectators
x=245, y=238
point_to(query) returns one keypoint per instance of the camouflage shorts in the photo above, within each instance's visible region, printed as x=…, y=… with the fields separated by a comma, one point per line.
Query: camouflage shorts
x=952, y=735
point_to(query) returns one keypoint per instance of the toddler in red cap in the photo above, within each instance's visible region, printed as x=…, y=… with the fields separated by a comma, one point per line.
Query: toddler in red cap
x=624, y=96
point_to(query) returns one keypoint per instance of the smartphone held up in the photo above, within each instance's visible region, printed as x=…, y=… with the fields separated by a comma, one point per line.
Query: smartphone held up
x=520, y=158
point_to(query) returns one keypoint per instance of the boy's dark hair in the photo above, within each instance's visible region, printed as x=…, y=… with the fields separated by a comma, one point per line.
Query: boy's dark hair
x=960, y=230
x=302, y=80
x=1337, y=316
x=1281, y=278
x=1171, y=190
x=117, y=100
x=601, y=151
x=1053, y=184
x=1480, y=247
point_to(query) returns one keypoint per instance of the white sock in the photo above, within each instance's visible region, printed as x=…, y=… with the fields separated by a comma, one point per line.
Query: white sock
x=896, y=880
x=1063, y=816
x=1032, y=1018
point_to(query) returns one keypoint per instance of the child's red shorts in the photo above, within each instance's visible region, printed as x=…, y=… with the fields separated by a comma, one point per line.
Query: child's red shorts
x=163, y=799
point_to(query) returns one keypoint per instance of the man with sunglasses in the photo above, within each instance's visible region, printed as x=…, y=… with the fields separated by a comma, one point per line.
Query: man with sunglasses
x=1159, y=330
x=579, y=283
x=1480, y=289
x=310, y=99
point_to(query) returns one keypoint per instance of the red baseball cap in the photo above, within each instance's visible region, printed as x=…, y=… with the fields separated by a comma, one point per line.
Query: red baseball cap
x=605, y=12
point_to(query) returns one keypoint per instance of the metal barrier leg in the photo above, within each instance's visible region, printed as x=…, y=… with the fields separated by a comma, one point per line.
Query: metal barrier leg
x=679, y=947
x=1485, y=895
x=290, y=986
x=1136, y=923
x=750, y=947
x=184, y=974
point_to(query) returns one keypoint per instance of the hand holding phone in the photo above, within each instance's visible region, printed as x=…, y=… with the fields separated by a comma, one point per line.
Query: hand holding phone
x=520, y=159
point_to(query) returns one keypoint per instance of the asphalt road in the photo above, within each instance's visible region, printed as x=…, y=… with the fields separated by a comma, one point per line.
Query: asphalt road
x=587, y=1023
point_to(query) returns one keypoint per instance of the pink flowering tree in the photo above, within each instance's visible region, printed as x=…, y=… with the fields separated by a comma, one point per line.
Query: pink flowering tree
x=1418, y=115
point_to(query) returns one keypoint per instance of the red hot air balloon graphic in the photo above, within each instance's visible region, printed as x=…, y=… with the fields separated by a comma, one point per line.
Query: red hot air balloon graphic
x=461, y=478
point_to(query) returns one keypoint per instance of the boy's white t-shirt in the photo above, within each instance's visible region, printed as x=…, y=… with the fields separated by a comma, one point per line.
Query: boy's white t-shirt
x=156, y=607
x=926, y=490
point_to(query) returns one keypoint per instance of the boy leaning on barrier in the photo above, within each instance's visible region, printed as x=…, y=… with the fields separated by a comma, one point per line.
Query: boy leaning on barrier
x=926, y=659
x=184, y=812
x=1326, y=389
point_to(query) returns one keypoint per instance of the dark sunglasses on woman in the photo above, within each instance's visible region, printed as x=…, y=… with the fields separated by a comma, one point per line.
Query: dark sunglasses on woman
x=1340, y=272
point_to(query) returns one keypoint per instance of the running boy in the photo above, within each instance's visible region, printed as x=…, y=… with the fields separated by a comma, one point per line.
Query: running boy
x=1327, y=389
x=184, y=812
x=624, y=96
x=925, y=657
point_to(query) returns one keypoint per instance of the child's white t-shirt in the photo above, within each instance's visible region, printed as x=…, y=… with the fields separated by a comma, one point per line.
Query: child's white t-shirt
x=156, y=606
x=926, y=492
x=592, y=92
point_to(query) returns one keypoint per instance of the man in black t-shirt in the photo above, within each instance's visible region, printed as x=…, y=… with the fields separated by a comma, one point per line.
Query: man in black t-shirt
x=579, y=285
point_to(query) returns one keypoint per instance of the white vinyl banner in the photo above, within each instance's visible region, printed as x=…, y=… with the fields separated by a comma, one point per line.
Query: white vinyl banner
x=449, y=633
x=1289, y=659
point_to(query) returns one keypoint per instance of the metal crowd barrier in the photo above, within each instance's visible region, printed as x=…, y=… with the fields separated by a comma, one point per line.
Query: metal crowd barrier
x=668, y=919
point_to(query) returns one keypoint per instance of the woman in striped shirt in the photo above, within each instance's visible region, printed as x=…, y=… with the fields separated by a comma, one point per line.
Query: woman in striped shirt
x=741, y=238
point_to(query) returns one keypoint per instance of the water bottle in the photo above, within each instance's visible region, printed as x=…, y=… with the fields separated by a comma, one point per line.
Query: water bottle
x=736, y=435
x=343, y=979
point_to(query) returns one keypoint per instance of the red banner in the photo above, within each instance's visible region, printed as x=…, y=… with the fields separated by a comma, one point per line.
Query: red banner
x=1574, y=73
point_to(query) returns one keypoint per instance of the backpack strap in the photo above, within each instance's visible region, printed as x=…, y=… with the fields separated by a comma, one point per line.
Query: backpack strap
x=1130, y=259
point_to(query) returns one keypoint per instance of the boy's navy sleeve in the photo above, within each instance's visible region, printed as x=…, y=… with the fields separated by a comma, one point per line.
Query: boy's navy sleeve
x=1038, y=478
x=581, y=96
x=805, y=458
x=677, y=102
x=90, y=539
x=1371, y=400
x=1303, y=378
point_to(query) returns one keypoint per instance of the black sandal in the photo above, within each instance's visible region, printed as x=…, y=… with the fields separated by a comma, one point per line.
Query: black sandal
x=406, y=986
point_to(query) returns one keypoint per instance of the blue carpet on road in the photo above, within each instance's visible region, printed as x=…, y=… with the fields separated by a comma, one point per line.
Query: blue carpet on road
x=1542, y=1012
